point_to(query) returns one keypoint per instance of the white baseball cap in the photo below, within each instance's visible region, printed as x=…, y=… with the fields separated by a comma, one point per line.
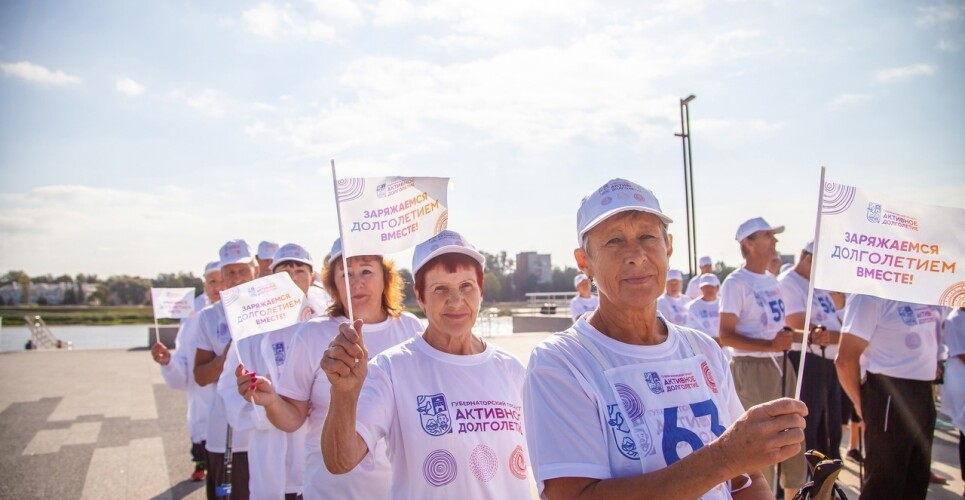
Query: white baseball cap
x=445, y=242
x=579, y=278
x=291, y=252
x=336, y=250
x=754, y=225
x=708, y=279
x=234, y=252
x=617, y=195
x=212, y=266
x=705, y=261
x=266, y=249
x=809, y=248
x=674, y=274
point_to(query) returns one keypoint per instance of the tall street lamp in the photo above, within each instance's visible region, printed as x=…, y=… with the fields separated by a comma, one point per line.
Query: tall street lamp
x=688, y=183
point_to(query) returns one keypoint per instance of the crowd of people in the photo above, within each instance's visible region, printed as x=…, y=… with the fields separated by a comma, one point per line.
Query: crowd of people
x=654, y=391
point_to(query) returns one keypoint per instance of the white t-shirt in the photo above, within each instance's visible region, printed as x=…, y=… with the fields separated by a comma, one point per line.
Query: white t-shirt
x=453, y=424
x=902, y=337
x=693, y=289
x=304, y=380
x=674, y=309
x=179, y=374
x=953, y=332
x=213, y=337
x=794, y=289
x=704, y=316
x=276, y=459
x=757, y=302
x=574, y=424
x=580, y=306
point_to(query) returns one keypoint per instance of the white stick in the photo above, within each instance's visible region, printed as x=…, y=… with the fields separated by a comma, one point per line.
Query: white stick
x=807, y=308
x=157, y=334
x=338, y=212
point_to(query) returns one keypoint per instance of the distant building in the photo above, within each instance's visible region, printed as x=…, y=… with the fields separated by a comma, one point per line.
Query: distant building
x=534, y=264
x=11, y=293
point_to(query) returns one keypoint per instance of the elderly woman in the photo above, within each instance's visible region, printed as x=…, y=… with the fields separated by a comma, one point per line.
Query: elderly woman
x=302, y=389
x=448, y=404
x=627, y=405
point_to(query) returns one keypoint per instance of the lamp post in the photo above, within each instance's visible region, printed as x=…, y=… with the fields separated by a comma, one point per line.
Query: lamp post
x=688, y=183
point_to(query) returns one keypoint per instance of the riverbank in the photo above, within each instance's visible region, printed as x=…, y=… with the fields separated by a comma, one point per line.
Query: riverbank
x=81, y=315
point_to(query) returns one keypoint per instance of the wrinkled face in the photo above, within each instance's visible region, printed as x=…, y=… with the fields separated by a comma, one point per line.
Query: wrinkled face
x=366, y=282
x=627, y=256
x=709, y=292
x=674, y=287
x=300, y=273
x=212, y=286
x=233, y=275
x=451, y=301
x=762, y=245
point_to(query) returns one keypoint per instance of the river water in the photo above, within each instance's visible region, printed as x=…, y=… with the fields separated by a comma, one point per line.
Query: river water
x=13, y=338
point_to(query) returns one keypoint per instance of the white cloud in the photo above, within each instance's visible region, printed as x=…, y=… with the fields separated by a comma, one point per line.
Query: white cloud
x=270, y=22
x=209, y=103
x=949, y=46
x=602, y=86
x=128, y=86
x=903, y=73
x=263, y=107
x=35, y=73
x=346, y=11
x=939, y=14
x=849, y=99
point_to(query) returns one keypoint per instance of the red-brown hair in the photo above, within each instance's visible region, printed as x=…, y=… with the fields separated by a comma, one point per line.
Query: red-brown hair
x=392, y=292
x=451, y=262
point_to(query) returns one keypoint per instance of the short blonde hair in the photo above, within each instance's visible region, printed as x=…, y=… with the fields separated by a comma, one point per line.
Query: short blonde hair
x=392, y=293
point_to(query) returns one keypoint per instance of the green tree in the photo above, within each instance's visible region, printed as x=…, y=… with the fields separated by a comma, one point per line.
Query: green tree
x=64, y=278
x=408, y=287
x=494, y=287
x=179, y=280
x=128, y=290
x=563, y=278
x=22, y=279
x=46, y=278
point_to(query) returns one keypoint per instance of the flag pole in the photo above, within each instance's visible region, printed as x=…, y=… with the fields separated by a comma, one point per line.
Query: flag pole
x=807, y=309
x=157, y=333
x=338, y=212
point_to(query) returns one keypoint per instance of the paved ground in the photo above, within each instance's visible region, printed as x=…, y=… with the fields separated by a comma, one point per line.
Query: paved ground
x=101, y=424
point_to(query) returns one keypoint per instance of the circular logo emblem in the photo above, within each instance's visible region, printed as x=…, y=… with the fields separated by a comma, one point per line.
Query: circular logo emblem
x=483, y=463
x=606, y=201
x=638, y=197
x=439, y=468
x=708, y=376
x=517, y=463
x=912, y=340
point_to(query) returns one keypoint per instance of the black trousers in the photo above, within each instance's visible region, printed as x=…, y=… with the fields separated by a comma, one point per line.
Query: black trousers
x=821, y=392
x=899, y=416
x=239, y=475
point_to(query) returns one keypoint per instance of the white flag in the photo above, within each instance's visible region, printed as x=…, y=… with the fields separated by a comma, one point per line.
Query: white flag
x=172, y=302
x=898, y=250
x=382, y=215
x=263, y=305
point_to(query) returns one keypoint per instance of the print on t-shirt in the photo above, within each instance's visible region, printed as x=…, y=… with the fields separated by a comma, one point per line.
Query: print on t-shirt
x=435, y=414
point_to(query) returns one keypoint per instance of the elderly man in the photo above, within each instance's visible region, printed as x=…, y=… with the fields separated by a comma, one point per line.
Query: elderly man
x=238, y=266
x=625, y=404
x=899, y=341
x=177, y=370
x=752, y=322
x=266, y=252
x=703, y=314
x=820, y=389
x=673, y=304
x=583, y=302
x=706, y=267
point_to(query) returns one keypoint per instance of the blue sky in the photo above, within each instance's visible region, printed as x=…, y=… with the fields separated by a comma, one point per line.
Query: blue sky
x=135, y=138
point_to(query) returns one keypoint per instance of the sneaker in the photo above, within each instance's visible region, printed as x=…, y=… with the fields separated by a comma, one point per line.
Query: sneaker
x=855, y=456
x=198, y=474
